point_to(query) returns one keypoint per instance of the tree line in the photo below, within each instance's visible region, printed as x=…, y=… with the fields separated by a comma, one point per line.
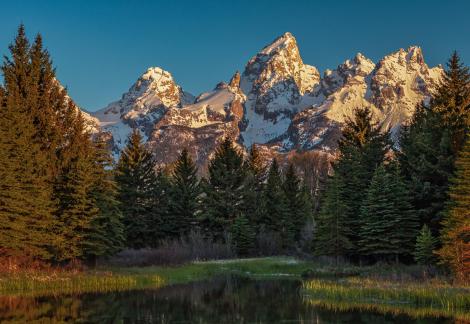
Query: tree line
x=405, y=201
x=239, y=199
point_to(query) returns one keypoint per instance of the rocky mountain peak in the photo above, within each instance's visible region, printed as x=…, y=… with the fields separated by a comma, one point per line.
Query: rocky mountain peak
x=157, y=86
x=235, y=81
x=279, y=62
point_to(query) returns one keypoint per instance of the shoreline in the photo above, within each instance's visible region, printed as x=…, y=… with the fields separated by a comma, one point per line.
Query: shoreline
x=351, y=287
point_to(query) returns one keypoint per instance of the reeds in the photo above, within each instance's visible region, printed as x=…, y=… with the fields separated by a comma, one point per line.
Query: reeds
x=41, y=284
x=391, y=296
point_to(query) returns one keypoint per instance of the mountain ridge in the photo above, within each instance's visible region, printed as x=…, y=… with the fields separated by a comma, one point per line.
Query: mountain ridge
x=277, y=101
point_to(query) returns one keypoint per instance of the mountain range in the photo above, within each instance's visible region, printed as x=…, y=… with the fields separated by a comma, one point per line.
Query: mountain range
x=278, y=102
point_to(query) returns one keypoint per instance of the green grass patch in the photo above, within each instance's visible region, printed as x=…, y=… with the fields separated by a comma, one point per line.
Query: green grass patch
x=416, y=299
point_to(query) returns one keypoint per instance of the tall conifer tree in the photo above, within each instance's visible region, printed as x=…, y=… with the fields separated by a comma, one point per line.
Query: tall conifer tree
x=224, y=189
x=254, y=204
x=136, y=179
x=362, y=148
x=298, y=201
x=277, y=217
x=455, y=233
x=184, y=195
x=332, y=231
x=26, y=208
x=431, y=143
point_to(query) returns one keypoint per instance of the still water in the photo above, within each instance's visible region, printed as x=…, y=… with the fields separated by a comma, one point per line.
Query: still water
x=221, y=300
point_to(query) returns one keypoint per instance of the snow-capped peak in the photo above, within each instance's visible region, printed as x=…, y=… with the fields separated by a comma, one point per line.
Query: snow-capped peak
x=279, y=43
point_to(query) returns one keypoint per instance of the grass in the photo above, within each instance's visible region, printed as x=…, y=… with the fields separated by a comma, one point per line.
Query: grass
x=114, y=279
x=419, y=299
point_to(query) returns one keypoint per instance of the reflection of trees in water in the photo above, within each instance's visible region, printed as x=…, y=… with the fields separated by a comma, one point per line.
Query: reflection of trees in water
x=228, y=300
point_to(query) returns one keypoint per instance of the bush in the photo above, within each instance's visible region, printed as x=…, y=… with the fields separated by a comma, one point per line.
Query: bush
x=173, y=252
x=268, y=243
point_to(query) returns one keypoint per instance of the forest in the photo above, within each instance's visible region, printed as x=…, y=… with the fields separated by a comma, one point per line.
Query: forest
x=389, y=197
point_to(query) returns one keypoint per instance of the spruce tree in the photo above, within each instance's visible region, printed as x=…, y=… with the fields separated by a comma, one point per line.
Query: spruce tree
x=278, y=217
x=455, y=235
x=388, y=223
x=254, y=204
x=105, y=235
x=332, y=231
x=242, y=235
x=26, y=207
x=77, y=207
x=425, y=246
x=224, y=189
x=162, y=222
x=136, y=179
x=184, y=195
x=362, y=148
x=431, y=143
x=49, y=164
x=298, y=201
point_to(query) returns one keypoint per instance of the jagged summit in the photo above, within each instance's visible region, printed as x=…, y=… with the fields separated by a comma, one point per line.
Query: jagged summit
x=277, y=101
x=279, y=43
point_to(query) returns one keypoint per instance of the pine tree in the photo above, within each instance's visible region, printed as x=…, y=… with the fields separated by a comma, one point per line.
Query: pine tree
x=425, y=245
x=431, y=143
x=298, y=201
x=277, y=217
x=243, y=236
x=332, y=231
x=162, y=222
x=49, y=168
x=452, y=101
x=224, y=189
x=362, y=148
x=76, y=207
x=26, y=208
x=105, y=235
x=455, y=234
x=136, y=179
x=184, y=195
x=388, y=223
x=254, y=204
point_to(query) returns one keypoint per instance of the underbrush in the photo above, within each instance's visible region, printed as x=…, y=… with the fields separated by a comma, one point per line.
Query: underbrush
x=172, y=252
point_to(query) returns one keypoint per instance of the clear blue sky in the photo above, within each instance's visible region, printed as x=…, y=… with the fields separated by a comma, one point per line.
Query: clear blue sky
x=101, y=47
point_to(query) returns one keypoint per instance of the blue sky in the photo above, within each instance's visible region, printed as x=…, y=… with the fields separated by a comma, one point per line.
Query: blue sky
x=101, y=47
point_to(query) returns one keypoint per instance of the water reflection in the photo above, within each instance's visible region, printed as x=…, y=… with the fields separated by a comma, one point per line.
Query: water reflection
x=222, y=300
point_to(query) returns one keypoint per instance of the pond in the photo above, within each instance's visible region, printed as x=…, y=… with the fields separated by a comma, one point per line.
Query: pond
x=221, y=300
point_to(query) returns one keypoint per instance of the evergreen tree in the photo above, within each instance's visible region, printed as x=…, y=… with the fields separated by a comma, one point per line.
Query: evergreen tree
x=243, y=236
x=47, y=158
x=76, y=206
x=425, y=245
x=223, y=190
x=455, y=235
x=184, y=195
x=452, y=101
x=136, y=179
x=162, y=222
x=278, y=217
x=298, y=201
x=106, y=233
x=388, y=224
x=254, y=204
x=431, y=143
x=332, y=231
x=362, y=148
x=26, y=208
